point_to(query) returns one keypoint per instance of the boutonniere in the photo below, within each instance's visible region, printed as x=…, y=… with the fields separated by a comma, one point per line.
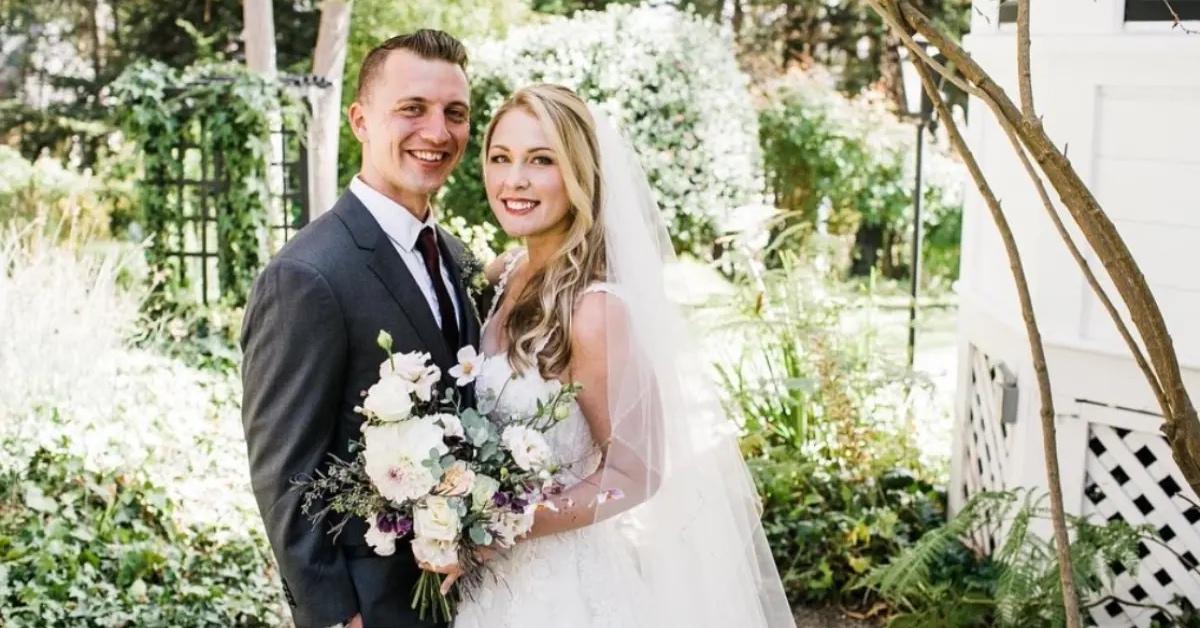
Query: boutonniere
x=475, y=281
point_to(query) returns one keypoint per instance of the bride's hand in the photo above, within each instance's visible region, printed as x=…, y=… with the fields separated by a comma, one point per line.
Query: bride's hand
x=455, y=571
x=452, y=573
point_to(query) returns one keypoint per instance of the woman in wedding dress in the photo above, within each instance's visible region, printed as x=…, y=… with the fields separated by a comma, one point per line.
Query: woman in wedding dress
x=658, y=524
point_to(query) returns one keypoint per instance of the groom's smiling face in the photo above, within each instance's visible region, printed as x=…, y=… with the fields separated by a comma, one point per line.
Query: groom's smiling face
x=413, y=123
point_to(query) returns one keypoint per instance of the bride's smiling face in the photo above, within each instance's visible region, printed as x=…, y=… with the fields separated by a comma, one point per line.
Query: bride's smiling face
x=524, y=182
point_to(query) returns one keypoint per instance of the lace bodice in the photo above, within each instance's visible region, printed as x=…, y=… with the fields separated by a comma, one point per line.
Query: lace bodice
x=504, y=394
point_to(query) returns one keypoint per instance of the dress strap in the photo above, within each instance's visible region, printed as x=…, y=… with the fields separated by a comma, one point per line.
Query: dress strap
x=510, y=265
x=600, y=286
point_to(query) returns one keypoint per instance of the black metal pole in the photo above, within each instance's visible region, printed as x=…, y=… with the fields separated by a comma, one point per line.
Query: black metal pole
x=916, y=246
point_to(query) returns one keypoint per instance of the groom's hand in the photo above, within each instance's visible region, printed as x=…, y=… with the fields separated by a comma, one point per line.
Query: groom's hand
x=355, y=622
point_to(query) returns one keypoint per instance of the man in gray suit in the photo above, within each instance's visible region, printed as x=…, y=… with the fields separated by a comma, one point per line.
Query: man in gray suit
x=376, y=261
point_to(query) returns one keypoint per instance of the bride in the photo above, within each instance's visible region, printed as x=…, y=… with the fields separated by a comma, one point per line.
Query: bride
x=658, y=525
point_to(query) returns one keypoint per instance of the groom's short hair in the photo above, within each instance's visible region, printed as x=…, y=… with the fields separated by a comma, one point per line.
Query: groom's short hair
x=426, y=43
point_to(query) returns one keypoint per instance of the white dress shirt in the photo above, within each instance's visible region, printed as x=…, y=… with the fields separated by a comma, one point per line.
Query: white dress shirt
x=403, y=229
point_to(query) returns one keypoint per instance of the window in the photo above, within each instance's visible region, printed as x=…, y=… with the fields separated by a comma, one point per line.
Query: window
x=1008, y=11
x=1158, y=10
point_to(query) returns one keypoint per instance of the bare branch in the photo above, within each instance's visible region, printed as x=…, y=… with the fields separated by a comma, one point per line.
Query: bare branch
x=1134, y=348
x=1049, y=433
x=1179, y=22
x=1182, y=427
x=1023, y=71
x=903, y=31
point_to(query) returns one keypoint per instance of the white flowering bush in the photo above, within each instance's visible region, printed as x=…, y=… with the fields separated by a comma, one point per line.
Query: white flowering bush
x=124, y=491
x=669, y=79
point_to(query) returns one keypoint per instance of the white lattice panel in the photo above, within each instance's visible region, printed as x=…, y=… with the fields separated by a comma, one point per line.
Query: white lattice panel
x=1130, y=475
x=986, y=438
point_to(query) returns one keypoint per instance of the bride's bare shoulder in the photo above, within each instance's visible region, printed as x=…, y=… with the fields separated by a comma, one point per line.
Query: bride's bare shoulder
x=599, y=315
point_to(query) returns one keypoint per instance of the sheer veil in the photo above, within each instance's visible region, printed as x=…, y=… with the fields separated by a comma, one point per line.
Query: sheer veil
x=673, y=472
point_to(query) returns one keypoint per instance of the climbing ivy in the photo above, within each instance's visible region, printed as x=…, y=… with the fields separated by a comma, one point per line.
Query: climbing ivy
x=225, y=112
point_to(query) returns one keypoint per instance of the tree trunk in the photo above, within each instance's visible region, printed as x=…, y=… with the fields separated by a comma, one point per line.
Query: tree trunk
x=329, y=62
x=259, y=32
x=259, y=23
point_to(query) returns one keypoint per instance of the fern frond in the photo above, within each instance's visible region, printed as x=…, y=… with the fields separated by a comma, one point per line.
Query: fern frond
x=909, y=573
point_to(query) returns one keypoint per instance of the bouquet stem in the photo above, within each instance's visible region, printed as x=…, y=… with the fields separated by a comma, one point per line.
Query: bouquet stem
x=427, y=596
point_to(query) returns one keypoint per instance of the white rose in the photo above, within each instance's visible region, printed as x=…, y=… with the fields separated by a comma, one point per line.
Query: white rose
x=425, y=384
x=436, y=519
x=510, y=525
x=413, y=369
x=437, y=553
x=389, y=400
x=456, y=480
x=451, y=425
x=420, y=438
x=528, y=447
x=407, y=366
x=394, y=453
x=384, y=543
x=481, y=493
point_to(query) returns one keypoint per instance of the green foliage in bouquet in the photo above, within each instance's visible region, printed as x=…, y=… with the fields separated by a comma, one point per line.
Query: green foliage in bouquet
x=669, y=79
x=439, y=475
x=87, y=548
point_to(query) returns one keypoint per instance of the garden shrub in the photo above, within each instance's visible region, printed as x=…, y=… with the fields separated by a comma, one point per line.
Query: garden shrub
x=47, y=194
x=827, y=528
x=669, y=79
x=850, y=163
x=1018, y=585
x=827, y=437
x=91, y=548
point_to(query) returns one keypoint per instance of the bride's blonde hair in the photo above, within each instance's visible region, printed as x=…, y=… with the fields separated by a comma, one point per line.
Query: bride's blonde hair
x=544, y=308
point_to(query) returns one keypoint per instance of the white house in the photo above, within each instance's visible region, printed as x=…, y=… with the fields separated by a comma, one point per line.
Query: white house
x=1119, y=88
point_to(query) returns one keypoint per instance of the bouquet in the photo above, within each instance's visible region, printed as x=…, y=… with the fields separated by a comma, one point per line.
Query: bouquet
x=444, y=476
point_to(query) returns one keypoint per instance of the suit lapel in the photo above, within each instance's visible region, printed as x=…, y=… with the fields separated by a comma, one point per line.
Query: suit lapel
x=386, y=265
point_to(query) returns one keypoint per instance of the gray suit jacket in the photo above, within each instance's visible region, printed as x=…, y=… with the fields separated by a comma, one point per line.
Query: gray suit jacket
x=309, y=342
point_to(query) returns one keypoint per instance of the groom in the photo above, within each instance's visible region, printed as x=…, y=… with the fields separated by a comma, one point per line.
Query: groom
x=377, y=261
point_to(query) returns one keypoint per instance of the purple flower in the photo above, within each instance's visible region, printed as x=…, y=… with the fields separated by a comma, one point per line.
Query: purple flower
x=394, y=523
x=501, y=499
x=518, y=505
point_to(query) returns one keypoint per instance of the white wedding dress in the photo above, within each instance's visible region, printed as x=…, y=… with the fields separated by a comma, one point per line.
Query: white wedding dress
x=583, y=578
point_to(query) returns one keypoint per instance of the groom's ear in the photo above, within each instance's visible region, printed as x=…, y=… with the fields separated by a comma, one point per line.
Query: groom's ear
x=358, y=121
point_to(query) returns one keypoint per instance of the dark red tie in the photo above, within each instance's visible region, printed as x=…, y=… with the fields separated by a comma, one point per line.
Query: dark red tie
x=433, y=263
